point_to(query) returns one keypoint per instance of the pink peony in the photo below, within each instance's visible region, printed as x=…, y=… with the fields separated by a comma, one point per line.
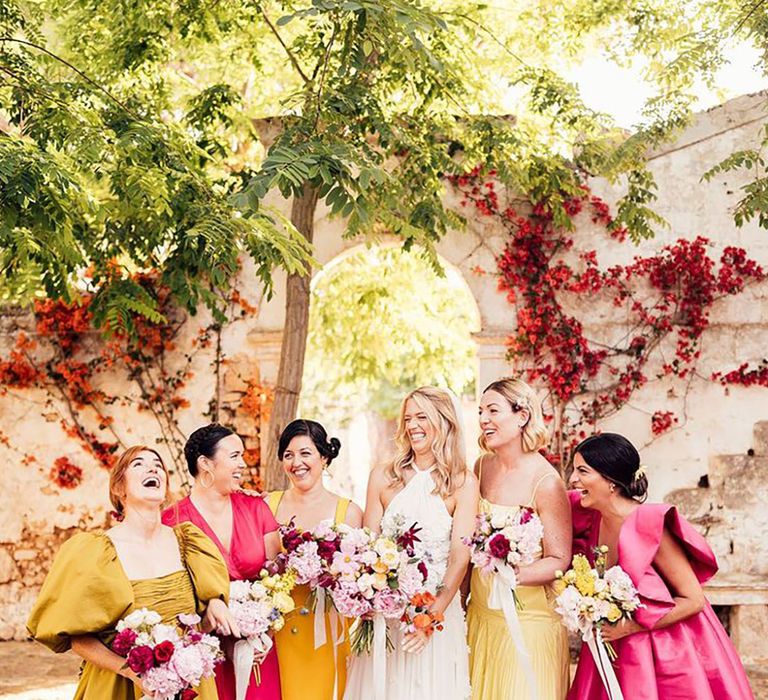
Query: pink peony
x=164, y=681
x=348, y=601
x=389, y=603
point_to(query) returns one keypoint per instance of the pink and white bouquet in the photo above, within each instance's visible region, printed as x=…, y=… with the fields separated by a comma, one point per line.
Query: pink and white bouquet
x=502, y=542
x=170, y=660
x=375, y=576
x=259, y=608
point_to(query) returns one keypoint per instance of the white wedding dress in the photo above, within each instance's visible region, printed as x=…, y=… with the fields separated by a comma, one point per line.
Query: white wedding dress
x=441, y=670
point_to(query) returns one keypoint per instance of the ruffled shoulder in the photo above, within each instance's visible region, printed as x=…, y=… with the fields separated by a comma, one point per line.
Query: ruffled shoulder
x=204, y=563
x=85, y=592
x=585, y=524
x=638, y=544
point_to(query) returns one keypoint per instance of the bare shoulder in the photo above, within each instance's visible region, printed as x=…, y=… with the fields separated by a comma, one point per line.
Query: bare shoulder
x=354, y=514
x=378, y=476
x=469, y=486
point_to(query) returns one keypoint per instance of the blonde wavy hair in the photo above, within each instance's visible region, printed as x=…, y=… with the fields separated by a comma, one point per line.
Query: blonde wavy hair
x=450, y=461
x=521, y=397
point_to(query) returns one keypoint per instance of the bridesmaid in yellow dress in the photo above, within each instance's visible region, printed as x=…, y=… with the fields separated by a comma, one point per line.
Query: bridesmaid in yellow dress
x=306, y=672
x=98, y=578
x=512, y=474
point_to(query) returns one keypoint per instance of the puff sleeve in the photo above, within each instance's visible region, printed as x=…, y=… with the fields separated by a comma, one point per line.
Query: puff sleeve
x=85, y=592
x=205, y=565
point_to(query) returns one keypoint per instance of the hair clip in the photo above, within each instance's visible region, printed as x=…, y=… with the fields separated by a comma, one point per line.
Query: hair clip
x=640, y=472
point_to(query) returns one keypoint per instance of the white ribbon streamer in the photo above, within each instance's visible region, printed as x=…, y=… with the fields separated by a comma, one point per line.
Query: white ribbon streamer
x=320, y=635
x=247, y=651
x=379, y=656
x=502, y=598
x=596, y=644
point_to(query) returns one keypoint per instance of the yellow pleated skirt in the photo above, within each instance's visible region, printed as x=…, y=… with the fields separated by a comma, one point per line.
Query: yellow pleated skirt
x=495, y=672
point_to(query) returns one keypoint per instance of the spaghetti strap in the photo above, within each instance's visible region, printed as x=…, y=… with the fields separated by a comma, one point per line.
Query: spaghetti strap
x=273, y=501
x=532, y=502
x=341, y=511
x=480, y=461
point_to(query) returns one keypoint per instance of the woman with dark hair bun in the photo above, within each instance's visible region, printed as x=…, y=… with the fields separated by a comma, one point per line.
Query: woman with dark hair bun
x=675, y=647
x=308, y=672
x=240, y=525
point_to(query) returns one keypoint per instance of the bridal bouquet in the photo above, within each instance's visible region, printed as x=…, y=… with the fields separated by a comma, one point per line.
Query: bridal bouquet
x=377, y=577
x=502, y=542
x=169, y=660
x=590, y=597
x=259, y=607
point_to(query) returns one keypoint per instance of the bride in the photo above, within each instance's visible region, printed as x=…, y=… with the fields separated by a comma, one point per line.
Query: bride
x=427, y=483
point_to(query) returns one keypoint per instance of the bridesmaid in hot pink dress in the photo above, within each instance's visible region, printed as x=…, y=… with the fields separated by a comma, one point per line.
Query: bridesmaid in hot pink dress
x=240, y=525
x=675, y=648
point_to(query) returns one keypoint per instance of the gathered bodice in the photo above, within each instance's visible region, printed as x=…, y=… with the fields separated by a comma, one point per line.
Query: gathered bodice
x=418, y=503
x=169, y=595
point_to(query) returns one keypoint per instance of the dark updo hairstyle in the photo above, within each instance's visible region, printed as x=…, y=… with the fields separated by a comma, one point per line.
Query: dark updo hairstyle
x=316, y=432
x=616, y=458
x=203, y=443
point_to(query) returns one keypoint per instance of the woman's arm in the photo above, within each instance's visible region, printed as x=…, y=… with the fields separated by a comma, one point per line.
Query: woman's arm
x=555, y=512
x=94, y=651
x=374, y=508
x=272, y=544
x=675, y=569
x=467, y=497
x=354, y=515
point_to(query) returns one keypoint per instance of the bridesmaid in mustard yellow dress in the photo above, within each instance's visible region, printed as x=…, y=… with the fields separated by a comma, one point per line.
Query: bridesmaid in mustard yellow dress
x=306, y=672
x=513, y=474
x=98, y=578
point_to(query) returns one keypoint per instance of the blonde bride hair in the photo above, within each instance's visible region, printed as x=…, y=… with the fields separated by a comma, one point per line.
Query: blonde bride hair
x=450, y=461
x=521, y=397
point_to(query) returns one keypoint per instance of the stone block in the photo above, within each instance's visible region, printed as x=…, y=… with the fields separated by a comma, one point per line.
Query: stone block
x=8, y=570
x=749, y=631
x=25, y=555
x=760, y=438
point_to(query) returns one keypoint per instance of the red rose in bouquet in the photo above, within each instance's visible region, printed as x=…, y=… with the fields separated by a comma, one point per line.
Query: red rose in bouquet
x=141, y=659
x=164, y=651
x=499, y=546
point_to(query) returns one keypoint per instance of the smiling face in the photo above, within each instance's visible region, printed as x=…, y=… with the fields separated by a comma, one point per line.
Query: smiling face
x=499, y=423
x=596, y=491
x=418, y=428
x=303, y=463
x=227, y=465
x=145, y=480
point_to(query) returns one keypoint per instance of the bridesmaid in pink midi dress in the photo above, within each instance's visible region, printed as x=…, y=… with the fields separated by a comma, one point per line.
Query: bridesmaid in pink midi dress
x=241, y=526
x=675, y=647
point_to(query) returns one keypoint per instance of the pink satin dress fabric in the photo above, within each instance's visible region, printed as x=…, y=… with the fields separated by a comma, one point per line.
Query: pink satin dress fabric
x=693, y=659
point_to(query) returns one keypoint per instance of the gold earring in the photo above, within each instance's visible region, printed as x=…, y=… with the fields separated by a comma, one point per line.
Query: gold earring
x=202, y=482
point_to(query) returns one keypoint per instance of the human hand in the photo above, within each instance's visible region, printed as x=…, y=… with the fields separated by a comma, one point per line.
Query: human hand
x=610, y=633
x=414, y=642
x=219, y=619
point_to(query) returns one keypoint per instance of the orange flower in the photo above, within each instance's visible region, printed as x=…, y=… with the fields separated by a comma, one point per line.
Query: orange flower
x=423, y=600
x=422, y=621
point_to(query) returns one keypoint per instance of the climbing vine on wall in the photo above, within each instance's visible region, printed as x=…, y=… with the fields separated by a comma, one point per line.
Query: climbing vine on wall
x=664, y=301
x=58, y=353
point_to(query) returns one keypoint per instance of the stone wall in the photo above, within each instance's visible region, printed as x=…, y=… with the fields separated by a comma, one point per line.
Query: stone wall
x=35, y=517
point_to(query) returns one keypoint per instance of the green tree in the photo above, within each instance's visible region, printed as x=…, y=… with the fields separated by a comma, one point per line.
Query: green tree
x=381, y=322
x=136, y=140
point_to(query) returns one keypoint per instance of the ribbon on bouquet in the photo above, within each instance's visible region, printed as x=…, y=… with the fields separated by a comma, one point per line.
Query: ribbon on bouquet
x=321, y=637
x=379, y=656
x=248, y=652
x=596, y=644
x=502, y=597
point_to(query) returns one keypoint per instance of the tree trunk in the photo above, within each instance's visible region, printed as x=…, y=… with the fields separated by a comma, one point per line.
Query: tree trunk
x=294, y=345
